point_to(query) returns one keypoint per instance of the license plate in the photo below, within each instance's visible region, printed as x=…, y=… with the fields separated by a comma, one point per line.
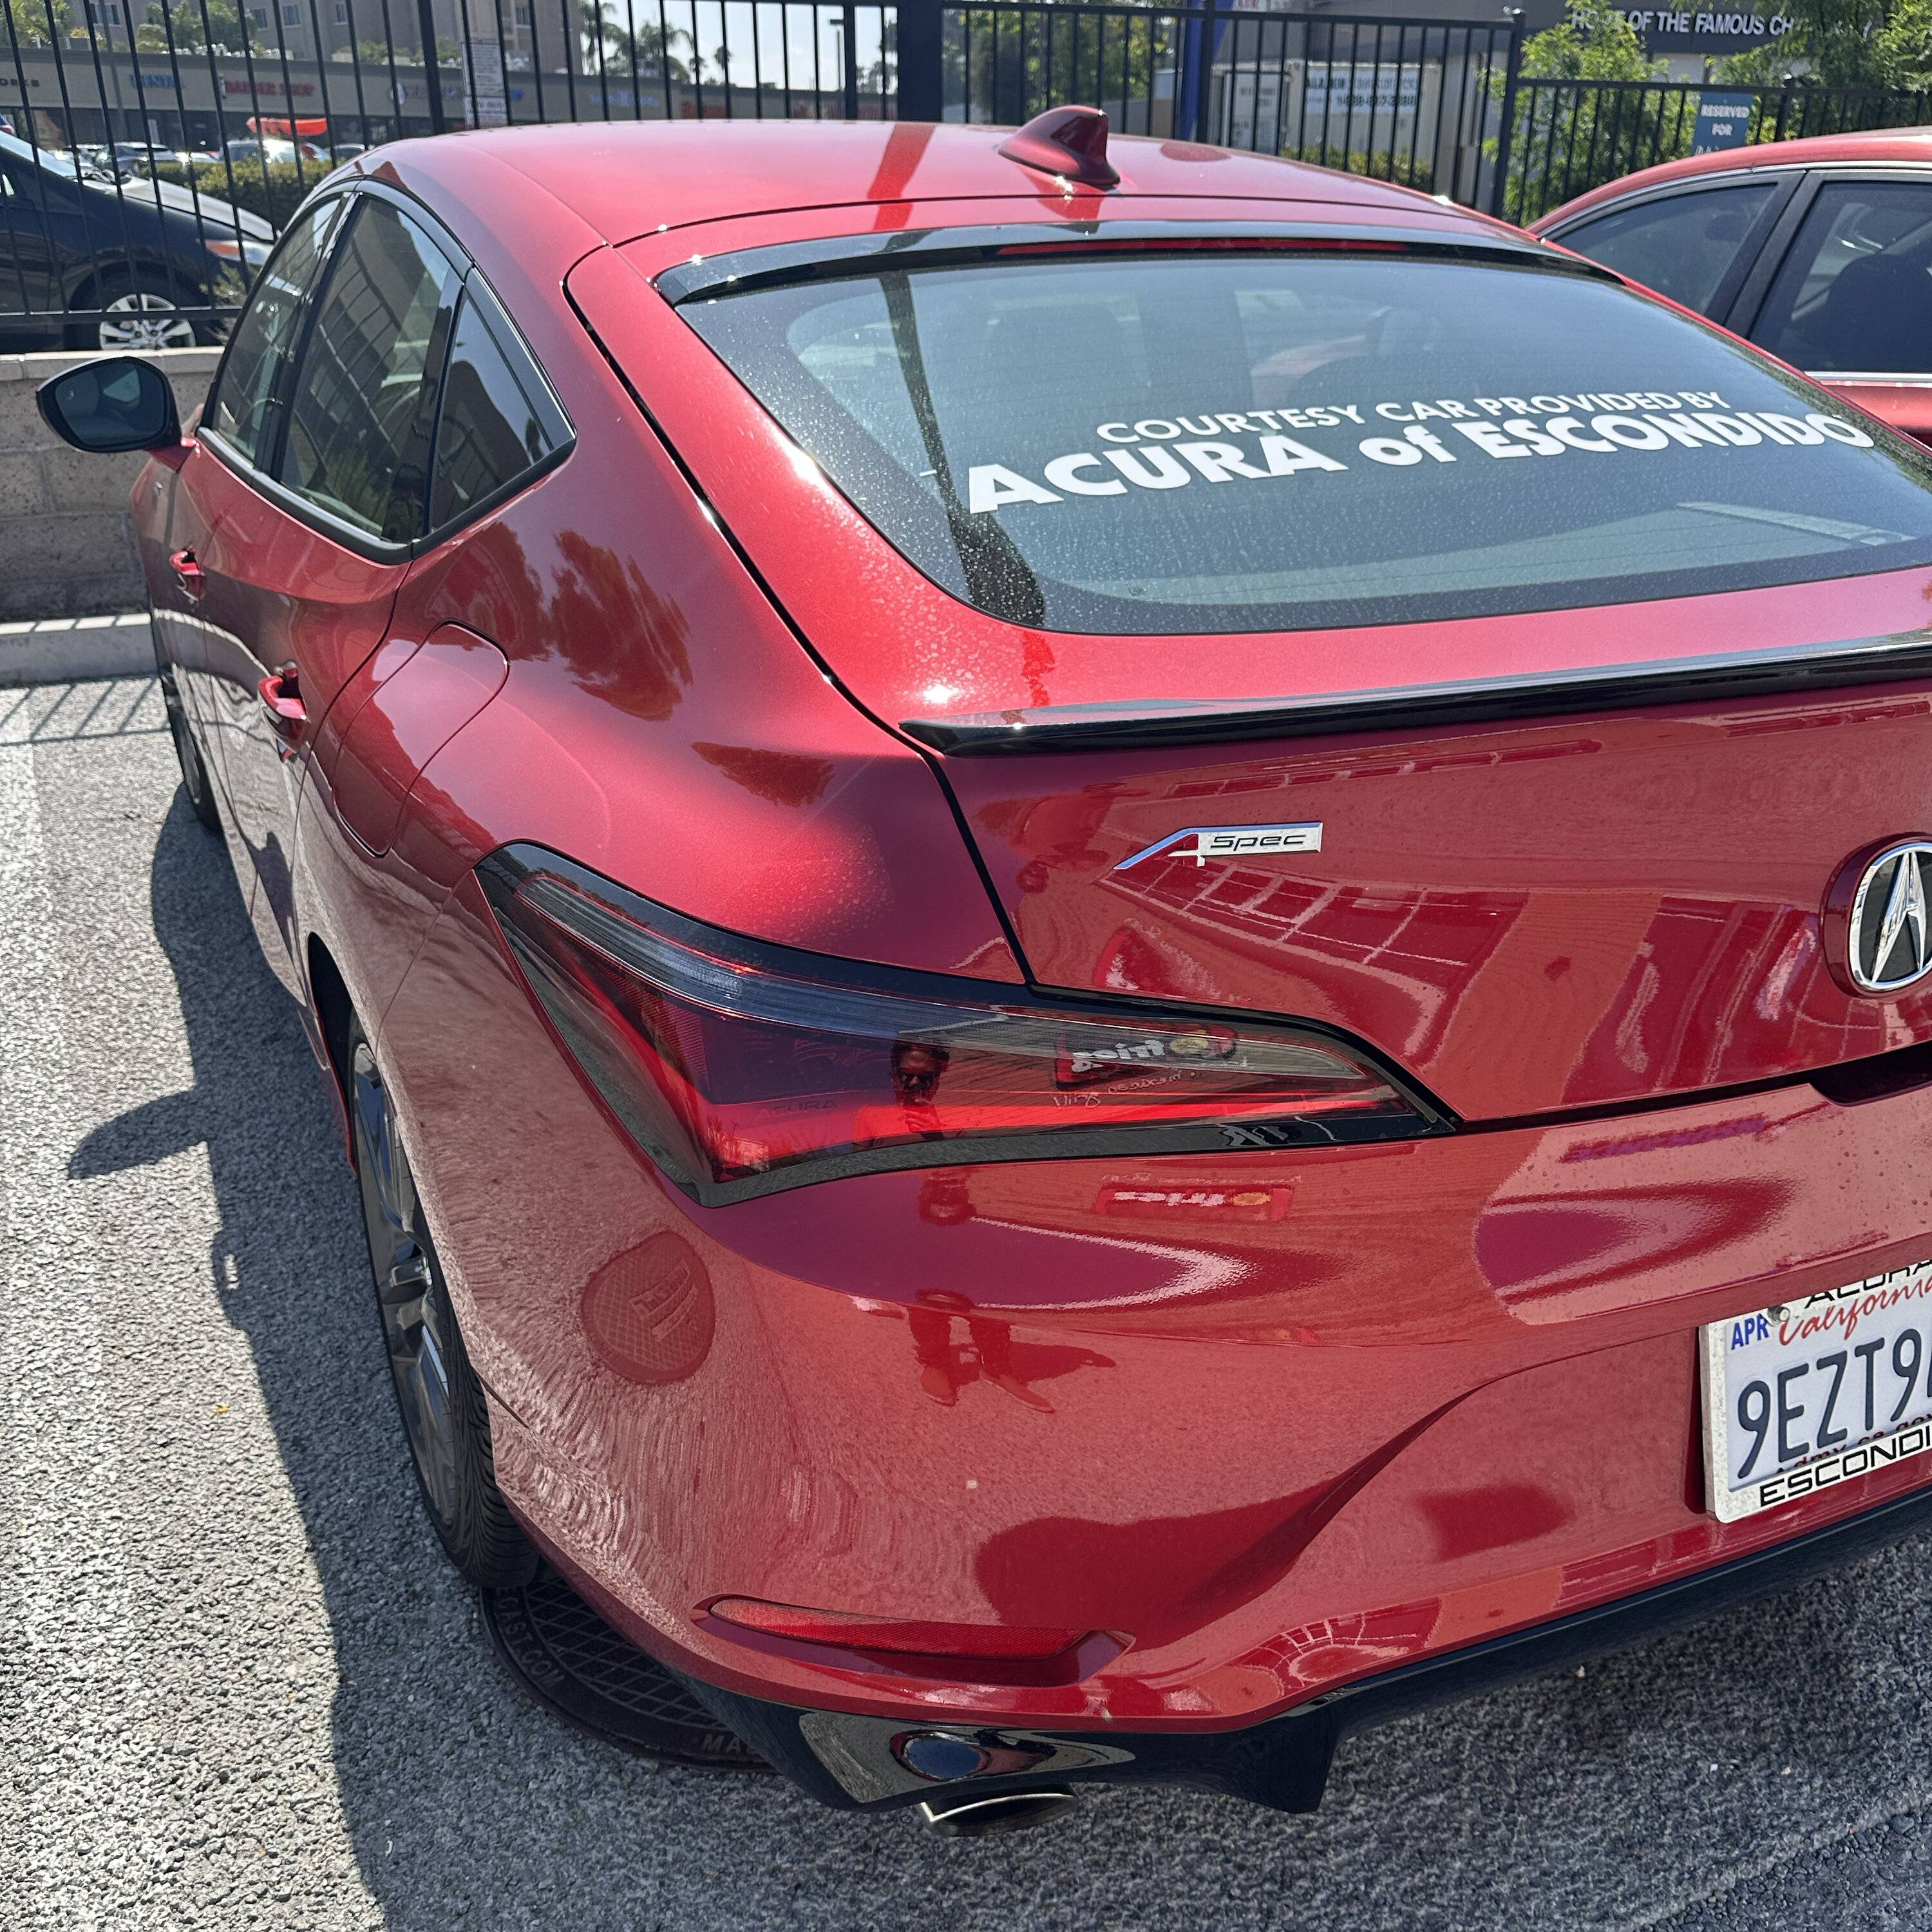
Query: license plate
x=1817, y=1390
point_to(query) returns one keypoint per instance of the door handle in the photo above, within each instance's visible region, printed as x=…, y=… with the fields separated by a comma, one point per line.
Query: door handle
x=288, y=716
x=189, y=574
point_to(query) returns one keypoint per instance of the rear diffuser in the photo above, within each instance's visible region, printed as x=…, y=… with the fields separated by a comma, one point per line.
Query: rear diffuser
x=576, y=1665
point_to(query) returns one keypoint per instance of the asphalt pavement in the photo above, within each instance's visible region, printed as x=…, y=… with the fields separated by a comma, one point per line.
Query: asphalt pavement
x=238, y=1687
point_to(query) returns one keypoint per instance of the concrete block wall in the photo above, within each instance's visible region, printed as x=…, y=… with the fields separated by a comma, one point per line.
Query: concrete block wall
x=66, y=549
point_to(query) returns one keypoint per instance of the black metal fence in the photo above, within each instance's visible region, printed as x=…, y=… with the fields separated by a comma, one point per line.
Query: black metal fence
x=1570, y=136
x=1414, y=101
x=148, y=148
x=141, y=135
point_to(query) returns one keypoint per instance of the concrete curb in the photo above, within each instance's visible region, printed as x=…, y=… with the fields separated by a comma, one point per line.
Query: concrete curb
x=54, y=650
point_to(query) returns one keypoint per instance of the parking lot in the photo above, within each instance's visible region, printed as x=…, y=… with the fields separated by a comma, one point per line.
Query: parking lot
x=238, y=1686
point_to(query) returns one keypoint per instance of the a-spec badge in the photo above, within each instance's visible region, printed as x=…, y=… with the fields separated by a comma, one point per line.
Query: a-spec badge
x=1229, y=841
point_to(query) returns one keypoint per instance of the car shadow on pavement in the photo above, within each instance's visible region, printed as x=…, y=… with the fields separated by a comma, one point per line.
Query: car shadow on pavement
x=1648, y=1782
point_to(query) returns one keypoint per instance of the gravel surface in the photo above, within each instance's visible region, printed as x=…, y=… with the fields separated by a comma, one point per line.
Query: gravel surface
x=238, y=1686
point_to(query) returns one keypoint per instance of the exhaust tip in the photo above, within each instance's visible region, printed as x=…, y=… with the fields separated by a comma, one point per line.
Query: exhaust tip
x=994, y=1812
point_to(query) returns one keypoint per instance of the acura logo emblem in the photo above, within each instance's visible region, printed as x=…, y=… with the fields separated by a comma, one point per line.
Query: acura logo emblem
x=1888, y=931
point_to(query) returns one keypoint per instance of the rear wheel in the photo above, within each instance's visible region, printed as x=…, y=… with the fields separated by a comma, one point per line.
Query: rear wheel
x=444, y=1415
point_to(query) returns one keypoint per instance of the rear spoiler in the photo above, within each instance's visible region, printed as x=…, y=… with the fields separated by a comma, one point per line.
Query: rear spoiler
x=841, y=257
x=1904, y=655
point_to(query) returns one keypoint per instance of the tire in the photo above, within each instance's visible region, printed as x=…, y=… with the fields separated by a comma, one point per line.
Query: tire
x=444, y=1415
x=138, y=316
x=188, y=755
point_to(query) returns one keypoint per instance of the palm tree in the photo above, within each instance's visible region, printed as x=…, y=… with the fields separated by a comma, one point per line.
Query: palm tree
x=646, y=45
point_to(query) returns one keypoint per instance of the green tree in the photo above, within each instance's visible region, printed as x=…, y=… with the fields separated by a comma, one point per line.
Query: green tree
x=1008, y=67
x=193, y=27
x=1878, y=45
x=1904, y=46
x=1600, y=132
x=1766, y=66
x=1834, y=43
x=1595, y=42
x=40, y=23
x=646, y=44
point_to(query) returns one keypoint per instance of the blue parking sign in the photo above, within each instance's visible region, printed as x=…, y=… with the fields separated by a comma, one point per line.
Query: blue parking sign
x=1723, y=121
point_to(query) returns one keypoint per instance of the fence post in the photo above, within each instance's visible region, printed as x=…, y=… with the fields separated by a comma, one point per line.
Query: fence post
x=1205, y=28
x=1506, y=139
x=439, y=121
x=921, y=80
x=850, y=37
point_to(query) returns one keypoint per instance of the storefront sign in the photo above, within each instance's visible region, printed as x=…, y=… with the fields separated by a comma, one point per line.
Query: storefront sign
x=1664, y=30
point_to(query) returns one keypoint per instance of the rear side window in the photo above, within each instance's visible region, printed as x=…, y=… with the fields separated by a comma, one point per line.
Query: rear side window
x=238, y=411
x=357, y=441
x=498, y=420
x=1284, y=441
x=1681, y=246
x=1854, y=293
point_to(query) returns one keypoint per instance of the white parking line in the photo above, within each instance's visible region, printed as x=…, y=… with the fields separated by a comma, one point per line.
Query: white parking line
x=60, y=1474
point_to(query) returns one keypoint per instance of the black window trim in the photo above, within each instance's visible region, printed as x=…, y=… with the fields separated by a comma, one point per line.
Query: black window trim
x=1748, y=305
x=498, y=322
x=1787, y=180
x=465, y=275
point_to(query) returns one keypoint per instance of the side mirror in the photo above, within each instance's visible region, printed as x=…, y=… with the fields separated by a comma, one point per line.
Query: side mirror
x=106, y=406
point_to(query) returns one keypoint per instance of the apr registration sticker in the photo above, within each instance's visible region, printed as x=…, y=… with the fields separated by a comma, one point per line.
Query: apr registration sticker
x=1817, y=1390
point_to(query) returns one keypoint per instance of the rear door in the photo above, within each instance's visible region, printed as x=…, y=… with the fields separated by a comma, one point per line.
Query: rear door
x=209, y=662
x=1849, y=299
x=302, y=550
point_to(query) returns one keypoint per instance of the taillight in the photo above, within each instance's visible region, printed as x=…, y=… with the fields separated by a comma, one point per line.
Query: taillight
x=741, y=1068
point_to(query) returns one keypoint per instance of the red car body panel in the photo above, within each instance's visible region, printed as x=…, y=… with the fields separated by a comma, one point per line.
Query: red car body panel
x=1905, y=406
x=700, y=171
x=250, y=624
x=1274, y=1420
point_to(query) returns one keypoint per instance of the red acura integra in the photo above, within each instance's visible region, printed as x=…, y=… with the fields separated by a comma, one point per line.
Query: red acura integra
x=1123, y=965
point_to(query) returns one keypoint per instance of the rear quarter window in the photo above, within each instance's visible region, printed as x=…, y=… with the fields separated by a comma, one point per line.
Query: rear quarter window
x=1281, y=441
x=499, y=420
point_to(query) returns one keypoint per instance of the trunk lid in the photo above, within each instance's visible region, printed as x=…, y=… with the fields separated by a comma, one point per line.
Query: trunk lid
x=1526, y=916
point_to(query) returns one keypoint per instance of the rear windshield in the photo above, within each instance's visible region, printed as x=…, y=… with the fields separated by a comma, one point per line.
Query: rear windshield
x=1275, y=441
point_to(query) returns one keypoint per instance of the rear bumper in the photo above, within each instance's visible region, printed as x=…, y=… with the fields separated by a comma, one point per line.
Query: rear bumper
x=1272, y=1425
x=1277, y=1424
x=859, y=1762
